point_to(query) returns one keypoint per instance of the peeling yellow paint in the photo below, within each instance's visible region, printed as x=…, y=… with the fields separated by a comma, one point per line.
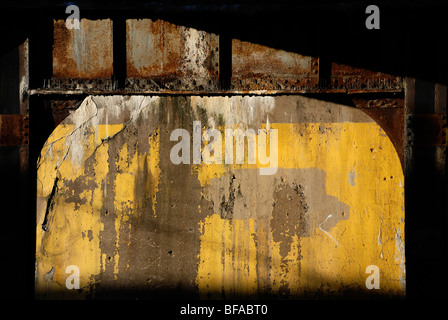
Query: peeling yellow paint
x=68, y=241
x=227, y=246
x=66, y=237
x=209, y=171
x=238, y=257
x=108, y=130
x=326, y=260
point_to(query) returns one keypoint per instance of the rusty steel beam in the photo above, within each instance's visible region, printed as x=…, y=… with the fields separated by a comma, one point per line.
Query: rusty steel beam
x=204, y=86
x=363, y=103
x=346, y=84
x=72, y=84
x=14, y=129
x=50, y=92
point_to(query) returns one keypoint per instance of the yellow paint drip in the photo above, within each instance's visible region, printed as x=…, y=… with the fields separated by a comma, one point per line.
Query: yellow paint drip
x=228, y=256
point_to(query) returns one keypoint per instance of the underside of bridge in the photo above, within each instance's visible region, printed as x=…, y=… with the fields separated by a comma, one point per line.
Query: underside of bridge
x=224, y=149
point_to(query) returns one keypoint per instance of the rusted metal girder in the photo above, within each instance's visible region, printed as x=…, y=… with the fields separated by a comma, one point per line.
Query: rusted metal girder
x=163, y=57
x=253, y=86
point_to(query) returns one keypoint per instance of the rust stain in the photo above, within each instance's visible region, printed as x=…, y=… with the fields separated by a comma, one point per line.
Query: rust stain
x=166, y=50
x=249, y=59
x=338, y=69
x=153, y=48
x=379, y=103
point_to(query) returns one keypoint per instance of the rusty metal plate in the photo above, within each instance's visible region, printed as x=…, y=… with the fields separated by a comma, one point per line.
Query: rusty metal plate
x=168, y=53
x=338, y=69
x=252, y=60
x=84, y=53
x=258, y=67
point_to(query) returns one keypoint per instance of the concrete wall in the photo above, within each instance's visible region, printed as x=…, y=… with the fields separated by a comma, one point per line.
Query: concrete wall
x=111, y=202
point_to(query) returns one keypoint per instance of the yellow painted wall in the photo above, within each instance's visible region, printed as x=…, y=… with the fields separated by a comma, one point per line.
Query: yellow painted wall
x=373, y=235
x=236, y=257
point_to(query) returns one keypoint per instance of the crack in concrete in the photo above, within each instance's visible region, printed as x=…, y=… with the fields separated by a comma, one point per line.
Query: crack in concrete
x=50, y=204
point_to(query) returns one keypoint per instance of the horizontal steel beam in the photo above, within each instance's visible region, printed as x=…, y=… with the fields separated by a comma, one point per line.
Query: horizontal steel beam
x=50, y=92
x=239, y=86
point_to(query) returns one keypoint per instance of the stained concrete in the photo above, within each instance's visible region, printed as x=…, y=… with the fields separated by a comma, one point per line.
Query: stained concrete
x=111, y=202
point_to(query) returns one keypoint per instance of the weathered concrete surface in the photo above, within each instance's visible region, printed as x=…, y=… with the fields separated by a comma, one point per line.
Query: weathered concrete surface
x=162, y=50
x=111, y=202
